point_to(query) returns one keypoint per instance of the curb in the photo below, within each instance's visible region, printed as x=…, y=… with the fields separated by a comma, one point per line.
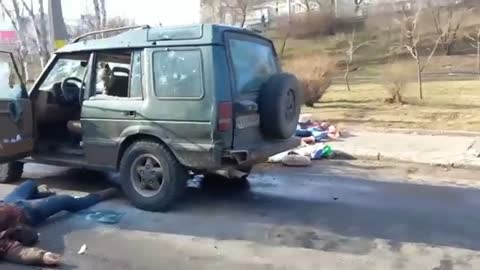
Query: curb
x=341, y=155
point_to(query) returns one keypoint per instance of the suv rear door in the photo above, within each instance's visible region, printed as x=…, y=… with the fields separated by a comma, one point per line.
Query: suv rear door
x=253, y=61
x=16, y=119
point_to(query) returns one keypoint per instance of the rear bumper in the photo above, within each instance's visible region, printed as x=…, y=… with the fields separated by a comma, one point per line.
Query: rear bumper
x=263, y=151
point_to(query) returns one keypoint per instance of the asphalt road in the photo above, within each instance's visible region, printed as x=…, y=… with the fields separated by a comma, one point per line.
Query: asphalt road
x=335, y=215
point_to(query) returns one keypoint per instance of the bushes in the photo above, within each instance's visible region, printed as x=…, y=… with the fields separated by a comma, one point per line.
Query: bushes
x=315, y=73
x=307, y=25
x=396, y=78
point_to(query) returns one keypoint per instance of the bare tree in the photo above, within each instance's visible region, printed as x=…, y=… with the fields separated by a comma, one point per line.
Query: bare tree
x=447, y=21
x=476, y=45
x=349, y=57
x=307, y=5
x=241, y=7
x=413, y=39
x=103, y=12
x=98, y=15
x=40, y=28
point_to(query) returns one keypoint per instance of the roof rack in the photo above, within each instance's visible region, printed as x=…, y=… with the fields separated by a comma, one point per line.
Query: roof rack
x=77, y=39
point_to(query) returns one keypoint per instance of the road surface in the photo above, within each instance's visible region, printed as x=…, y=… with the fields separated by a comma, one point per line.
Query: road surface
x=335, y=215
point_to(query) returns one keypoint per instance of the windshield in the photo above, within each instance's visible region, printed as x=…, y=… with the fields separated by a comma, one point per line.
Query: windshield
x=65, y=68
x=10, y=83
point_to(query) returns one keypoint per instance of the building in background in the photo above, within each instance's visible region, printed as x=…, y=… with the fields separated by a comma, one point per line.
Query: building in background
x=217, y=12
x=8, y=36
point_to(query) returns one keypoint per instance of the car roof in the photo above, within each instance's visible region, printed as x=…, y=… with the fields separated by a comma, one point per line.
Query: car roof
x=191, y=35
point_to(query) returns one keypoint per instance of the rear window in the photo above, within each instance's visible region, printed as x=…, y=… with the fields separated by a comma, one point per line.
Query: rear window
x=253, y=63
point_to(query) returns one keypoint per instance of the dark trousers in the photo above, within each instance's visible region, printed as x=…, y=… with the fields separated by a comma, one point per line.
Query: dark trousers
x=38, y=209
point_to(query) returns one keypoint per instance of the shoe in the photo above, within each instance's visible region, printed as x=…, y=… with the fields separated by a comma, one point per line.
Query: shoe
x=44, y=191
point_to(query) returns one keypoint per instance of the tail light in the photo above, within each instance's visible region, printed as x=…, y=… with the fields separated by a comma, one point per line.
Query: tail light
x=225, y=113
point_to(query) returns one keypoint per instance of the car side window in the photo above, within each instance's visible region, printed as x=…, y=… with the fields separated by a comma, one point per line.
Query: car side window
x=119, y=74
x=178, y=74
x=253, y=63
x=136, y=89
x=10, y=82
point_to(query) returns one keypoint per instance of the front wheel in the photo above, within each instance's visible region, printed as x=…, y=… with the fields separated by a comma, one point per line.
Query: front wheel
x=11, y=172
x=152, y=178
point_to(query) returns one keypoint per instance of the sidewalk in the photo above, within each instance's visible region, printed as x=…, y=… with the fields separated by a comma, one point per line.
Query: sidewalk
x=428, y=149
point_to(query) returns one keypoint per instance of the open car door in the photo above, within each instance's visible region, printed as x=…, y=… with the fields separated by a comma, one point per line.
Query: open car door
x=16, y=119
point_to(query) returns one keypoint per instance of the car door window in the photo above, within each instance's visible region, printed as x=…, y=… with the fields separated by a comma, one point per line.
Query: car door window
x=119, y=74
x=11, y=86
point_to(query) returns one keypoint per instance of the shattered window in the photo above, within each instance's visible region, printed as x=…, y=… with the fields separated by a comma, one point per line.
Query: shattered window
x=10, y=83
x=64, y=68
x=178, y=73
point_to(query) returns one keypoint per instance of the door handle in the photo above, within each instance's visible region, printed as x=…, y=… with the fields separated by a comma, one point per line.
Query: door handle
x=130, y=113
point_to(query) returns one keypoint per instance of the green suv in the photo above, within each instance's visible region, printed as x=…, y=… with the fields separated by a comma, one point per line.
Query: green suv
x=155, y=104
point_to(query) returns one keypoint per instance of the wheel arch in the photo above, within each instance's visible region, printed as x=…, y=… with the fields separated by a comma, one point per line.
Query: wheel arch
x=133, y=138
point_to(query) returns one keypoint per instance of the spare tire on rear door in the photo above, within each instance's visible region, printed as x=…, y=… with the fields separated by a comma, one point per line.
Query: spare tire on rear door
x=279, y=104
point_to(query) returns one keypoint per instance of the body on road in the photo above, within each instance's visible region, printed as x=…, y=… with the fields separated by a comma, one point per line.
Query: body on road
x=333, y=215
x=28, y=206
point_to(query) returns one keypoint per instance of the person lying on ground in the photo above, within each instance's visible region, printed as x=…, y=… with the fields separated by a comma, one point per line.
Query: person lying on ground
x=29, y=205
x=317, y=132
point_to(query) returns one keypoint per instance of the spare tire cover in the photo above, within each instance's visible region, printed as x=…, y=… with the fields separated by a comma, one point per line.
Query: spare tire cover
x=279, y=105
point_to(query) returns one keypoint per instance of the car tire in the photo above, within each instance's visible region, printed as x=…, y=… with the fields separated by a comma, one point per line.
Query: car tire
x=11, y=172
x=174, y=176
x=279, y=105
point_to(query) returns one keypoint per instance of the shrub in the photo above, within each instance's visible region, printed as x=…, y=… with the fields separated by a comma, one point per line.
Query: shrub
x=315, y=74
x=396, y=77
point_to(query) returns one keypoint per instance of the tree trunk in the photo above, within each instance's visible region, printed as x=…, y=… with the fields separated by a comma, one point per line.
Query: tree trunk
x=244, y=18
x=307, y=5
x=420, y=80
x=43, y=29
x=98, y=17
x=284, y=43
x=26, y=70
x=347, y=78
x=103, y=10
x=449, y=49
x=478, y=59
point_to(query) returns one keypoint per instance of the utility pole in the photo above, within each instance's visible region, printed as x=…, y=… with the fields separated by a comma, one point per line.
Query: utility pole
x=58, y=30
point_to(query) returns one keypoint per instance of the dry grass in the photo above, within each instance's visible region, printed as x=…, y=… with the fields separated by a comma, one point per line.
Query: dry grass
x=447, y=106
x=315, y=74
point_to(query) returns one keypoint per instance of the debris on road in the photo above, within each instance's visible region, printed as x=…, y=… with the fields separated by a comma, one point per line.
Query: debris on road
x=474, y=149
x=82, y=249
x=296, y=161
x=103, y=216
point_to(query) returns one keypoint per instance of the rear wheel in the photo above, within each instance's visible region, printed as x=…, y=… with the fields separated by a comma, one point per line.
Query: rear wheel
x=152, y=177
x=11, y=172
